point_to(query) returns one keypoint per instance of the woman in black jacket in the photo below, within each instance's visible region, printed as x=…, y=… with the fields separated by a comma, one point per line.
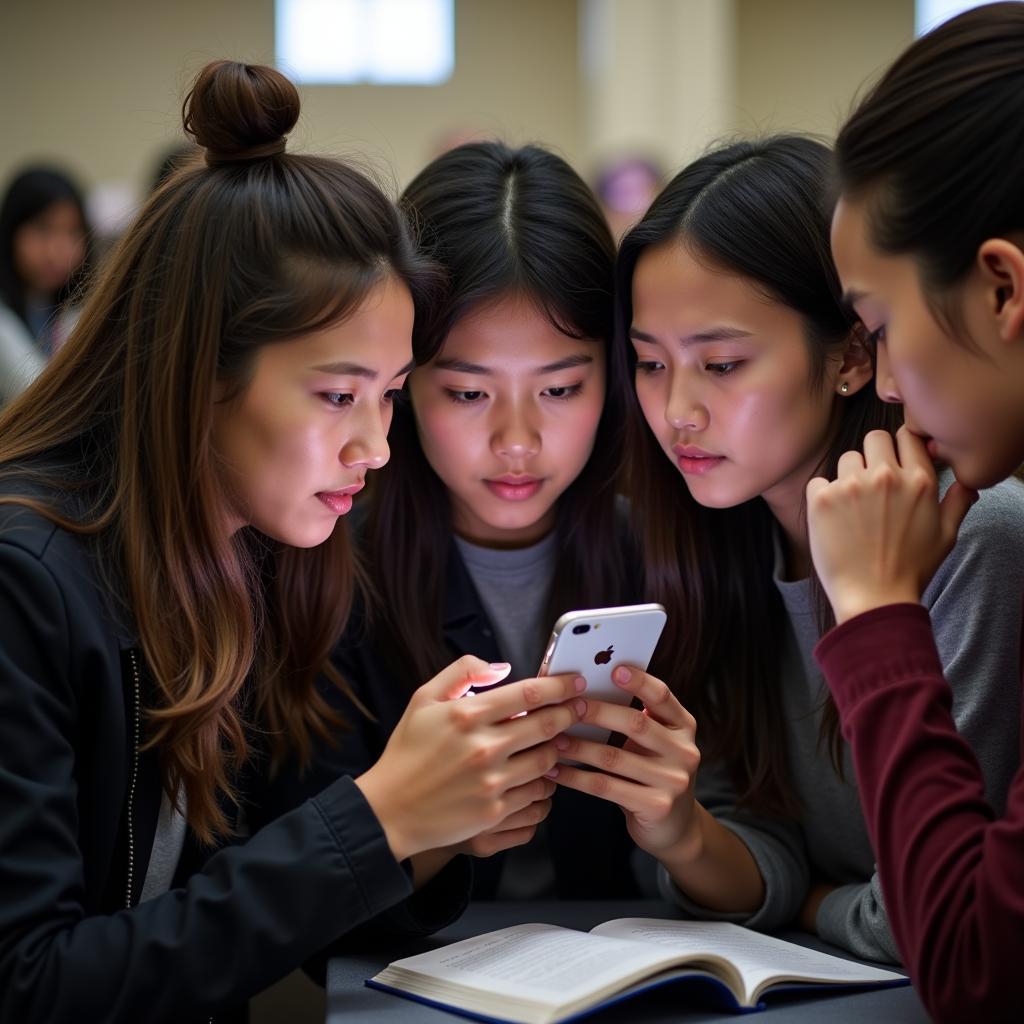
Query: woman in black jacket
x=171, y=582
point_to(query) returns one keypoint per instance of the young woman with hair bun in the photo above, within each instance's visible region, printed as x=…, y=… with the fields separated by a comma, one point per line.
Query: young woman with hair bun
x=173, y=579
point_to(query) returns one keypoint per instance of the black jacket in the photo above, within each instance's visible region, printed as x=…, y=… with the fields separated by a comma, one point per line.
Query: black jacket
x=591, y=851
x=78, y=811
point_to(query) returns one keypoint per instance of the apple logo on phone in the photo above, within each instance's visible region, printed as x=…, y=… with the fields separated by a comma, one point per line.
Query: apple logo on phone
x=603, y=657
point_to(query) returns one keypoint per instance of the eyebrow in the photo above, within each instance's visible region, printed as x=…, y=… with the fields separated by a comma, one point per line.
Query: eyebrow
x=358, y=370
x=711, y=334
x=461, y=366
x=852, y=296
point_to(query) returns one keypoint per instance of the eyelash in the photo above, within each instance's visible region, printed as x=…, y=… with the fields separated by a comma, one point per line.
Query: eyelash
x=330, y=396
x=571, y=391
x=724, y=369
x=459, y=397
x=650, y=367
x=345, y=399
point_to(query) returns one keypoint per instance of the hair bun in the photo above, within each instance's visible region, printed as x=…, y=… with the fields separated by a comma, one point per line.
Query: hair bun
x=240, y=111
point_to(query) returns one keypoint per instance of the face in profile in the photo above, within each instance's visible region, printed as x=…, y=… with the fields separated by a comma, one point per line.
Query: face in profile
x=963, y=395
x=297, y=442
x=50, y=247
x=724, y=380
x=506, y=414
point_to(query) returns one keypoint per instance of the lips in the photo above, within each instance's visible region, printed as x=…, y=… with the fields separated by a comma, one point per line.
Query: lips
x=340, y=502
x=695, y=461
x=929, y=442
x=512, y=487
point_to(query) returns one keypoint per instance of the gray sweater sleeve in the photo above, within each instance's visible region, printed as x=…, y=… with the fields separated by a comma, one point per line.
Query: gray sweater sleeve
x=776, y=846
x=975, y=604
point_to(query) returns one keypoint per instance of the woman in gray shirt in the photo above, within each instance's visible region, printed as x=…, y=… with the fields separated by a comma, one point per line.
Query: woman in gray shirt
x=753, y=376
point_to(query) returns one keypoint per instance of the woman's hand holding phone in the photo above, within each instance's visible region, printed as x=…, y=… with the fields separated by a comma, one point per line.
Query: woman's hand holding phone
x=515, y=830
x=652, y=776
x=453, y=769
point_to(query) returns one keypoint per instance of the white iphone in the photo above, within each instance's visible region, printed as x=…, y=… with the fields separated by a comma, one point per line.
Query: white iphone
x=591, y=643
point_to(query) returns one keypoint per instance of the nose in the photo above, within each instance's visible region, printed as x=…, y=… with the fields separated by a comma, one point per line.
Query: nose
x=367, y=445
x=684, y=411
x=515, y=435
x=885, y=383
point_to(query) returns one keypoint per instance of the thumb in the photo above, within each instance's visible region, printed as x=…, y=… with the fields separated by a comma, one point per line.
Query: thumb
x=455, y=680
x=955, y=504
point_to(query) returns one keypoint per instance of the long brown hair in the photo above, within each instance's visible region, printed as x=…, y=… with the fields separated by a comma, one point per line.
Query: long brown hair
x=499, y=222
x=760, y=210
x=253, y=248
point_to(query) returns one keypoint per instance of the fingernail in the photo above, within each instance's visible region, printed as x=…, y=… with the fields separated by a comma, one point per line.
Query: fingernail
x=553, y=774
x=581, y=684
x=500, y=666
x=622, y=675
x=561, y=742
x=581, y=708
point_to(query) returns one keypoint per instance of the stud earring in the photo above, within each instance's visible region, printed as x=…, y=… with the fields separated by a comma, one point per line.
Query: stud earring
x=844, y=388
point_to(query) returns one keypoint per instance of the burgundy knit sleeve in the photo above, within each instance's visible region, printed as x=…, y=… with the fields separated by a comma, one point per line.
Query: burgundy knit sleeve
x=952, y=873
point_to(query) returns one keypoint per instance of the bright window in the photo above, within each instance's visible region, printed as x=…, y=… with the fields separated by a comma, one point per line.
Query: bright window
x=383, y=42
x=929, y=13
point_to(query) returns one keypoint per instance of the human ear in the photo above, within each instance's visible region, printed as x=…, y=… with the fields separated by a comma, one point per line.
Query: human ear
x=1001, y=266
x=857, y=367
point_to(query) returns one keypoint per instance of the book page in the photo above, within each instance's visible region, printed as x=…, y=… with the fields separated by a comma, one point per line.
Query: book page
x=759, y=958
x=537, y=961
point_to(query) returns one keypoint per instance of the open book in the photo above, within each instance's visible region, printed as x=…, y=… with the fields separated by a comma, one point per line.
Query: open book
x=542, y=974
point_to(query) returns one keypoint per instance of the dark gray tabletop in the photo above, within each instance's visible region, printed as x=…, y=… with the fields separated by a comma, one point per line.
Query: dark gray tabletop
x=349, y=1000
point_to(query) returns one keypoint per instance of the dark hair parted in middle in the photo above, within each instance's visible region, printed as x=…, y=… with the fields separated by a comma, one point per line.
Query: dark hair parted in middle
x=500, y=222
x=760, y=210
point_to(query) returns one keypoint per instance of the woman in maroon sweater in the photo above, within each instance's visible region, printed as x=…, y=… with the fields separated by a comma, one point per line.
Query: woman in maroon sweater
x=928, y=237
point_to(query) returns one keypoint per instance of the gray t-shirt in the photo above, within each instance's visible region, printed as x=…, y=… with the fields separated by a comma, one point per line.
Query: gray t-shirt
x=513, y=586
x=168, y=843
x=975, y=603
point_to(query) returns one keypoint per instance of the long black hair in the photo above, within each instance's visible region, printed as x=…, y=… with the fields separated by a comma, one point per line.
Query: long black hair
x=31, y=193
x=499, y=221
x=760, y=210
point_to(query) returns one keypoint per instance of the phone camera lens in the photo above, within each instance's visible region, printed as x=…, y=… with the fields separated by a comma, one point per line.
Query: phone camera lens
x=581, y=629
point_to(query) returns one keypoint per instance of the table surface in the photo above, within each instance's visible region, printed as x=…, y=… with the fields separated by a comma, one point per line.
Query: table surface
x=349, y=1000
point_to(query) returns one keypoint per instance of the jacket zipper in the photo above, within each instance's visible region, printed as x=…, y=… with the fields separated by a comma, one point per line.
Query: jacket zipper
x=136, y=718
x=136, y=688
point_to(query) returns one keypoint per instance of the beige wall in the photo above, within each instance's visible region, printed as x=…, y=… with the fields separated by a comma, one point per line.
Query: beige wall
x=99, y=83
x=658, y=74
x=799, y=63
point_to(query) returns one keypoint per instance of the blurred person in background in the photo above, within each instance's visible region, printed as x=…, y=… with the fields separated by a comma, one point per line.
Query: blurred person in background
x=44, y=245
x=625, y=188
